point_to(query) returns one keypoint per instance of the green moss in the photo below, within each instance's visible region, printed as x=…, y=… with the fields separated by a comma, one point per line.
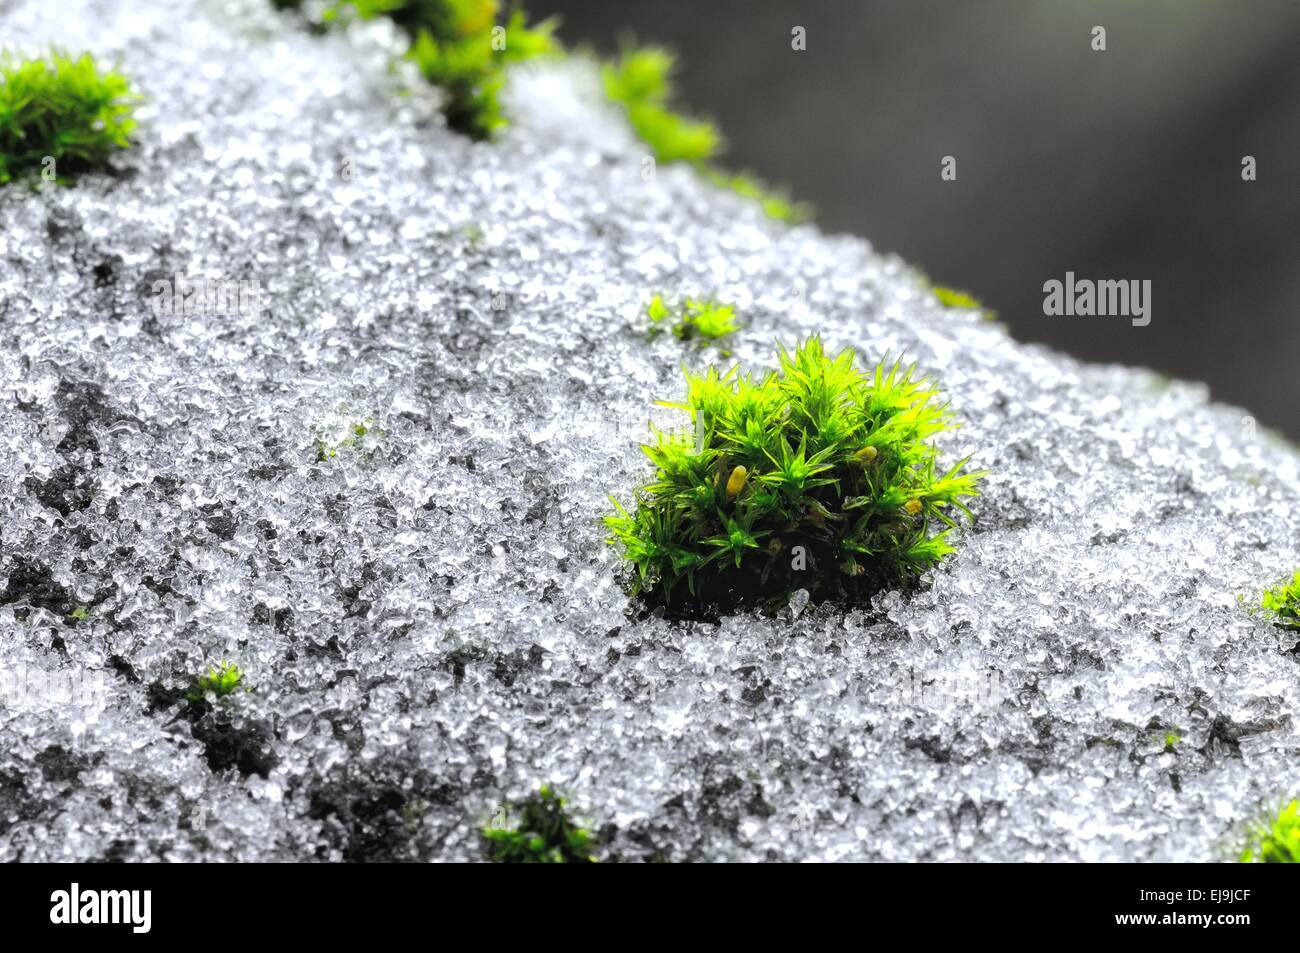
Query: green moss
x=1277, y=840
x=80, y=614
x=1282, y=602
x=953, y=298
x=776, y=203
x=453, y=46
x=63, y=108
x=461, y=46
x=641, y=81
x=221, y=680
x=341, y=431
x=694, y=319
x=473, y=234
x=538, y=830
x=819, y=477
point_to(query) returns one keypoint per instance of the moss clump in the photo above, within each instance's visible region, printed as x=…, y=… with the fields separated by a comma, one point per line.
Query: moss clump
x=819, y=477
x=461, y=46
x=221, y=680
x=953, y=298
x=1282, y=602
x=694, y=319
x=538, y=830
x=1276, y=841
x=64, y=108
x=641, y=81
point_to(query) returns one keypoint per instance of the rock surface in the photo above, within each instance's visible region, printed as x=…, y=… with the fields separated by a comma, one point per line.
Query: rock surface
x=429, y=618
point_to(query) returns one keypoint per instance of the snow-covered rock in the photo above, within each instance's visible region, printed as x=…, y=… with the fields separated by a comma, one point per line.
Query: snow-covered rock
x=429, y=618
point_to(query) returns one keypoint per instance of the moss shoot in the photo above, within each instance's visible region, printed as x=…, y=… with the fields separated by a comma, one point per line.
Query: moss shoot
x=341, y=431
x=776, y=203
x=220, y=680
x=641, y=81
x=820, y=477
x=1277, y=840
x=460, y=46
x=954, y=298
x=61, y=110
x=693, y=319
x=1282, y=602
x=538, y=830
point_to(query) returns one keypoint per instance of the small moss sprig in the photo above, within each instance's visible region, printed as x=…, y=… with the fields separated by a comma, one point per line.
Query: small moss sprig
x=954, y=298
x=819, y=477
x=221, y=680
x=460, y=46
x=1282, y=602
x=455, y=51
x=64, y=108
x=341, y=432
x=776, y=203
x=641, y=81
x=1277, y=840
x=539, y=830
x=694, y=319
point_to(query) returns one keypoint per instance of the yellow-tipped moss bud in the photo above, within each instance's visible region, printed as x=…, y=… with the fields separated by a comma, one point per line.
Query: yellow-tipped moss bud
x=736, y=482
x=913, y=507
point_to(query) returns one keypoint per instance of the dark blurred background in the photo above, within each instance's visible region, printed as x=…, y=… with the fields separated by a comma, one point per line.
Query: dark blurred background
x=1121, y=164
